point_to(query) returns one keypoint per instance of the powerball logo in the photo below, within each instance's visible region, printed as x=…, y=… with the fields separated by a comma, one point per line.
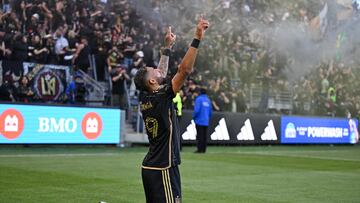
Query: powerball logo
x=11, y=124
x=91, y=125
x=290, y=131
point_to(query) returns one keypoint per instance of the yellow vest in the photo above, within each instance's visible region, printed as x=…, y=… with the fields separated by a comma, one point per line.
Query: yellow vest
x=177, y=101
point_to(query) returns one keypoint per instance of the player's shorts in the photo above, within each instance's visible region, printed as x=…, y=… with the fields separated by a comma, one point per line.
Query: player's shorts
x=162, y=186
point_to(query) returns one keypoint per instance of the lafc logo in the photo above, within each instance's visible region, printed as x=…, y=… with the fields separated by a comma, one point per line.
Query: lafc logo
x=91, y=125
x=11, y=123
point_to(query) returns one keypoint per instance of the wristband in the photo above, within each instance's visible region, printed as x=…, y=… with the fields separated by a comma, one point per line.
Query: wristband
x=166, y=52
x=195, y=43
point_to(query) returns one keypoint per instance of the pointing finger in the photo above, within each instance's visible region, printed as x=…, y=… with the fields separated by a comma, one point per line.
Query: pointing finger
x=168, y=30
x=201, y=17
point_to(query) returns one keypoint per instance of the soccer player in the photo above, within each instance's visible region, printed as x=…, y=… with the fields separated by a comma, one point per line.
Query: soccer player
x=160, y=172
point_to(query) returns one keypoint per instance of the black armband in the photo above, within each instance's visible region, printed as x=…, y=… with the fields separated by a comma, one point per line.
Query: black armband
x=166, y=52
x=195, y=43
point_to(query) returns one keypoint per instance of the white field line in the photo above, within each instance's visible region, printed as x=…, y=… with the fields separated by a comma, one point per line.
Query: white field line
x=282, y=153
x=58, y=155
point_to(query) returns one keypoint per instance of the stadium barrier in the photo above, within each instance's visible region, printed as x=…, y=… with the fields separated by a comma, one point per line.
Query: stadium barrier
x=234, y=128
x=238, y=128
x=40, y=124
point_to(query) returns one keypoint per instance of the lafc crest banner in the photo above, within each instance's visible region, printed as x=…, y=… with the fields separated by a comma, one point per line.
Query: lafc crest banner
x=48, y=81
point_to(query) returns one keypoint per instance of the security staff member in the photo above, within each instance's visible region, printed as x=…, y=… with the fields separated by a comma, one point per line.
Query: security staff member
x=201, y=116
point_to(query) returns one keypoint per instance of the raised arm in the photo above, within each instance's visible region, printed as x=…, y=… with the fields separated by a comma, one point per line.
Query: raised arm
x=164, y=59
x=187, y=63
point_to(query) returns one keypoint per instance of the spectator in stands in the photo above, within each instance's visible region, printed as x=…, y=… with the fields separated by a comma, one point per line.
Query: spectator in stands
x=149, y=54
x=5, y=52
x=222, y=102
x=40, y=52
x=6, y=6
x=266, y=81
x=81, y=56
x=6, y=92
x=58, y=15
x=50, y=46
x=138, y=63
x=138, y=60
x=61, y=44
x=119, y=95
x=114, y=58
x=324, y=85
x=20, y=48
x=129, y=51
x=24, y=93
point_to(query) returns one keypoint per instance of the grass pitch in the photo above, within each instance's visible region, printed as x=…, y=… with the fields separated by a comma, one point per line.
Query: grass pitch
x=224, y=174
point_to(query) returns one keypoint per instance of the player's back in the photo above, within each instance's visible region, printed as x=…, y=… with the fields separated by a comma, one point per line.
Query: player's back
x=161, y=127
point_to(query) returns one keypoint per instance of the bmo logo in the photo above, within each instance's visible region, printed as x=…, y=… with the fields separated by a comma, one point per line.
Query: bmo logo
x=53, y=125
x=11, y=123
x=91, y=125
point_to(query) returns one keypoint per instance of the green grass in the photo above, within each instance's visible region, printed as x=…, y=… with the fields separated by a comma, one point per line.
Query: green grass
x=224, y=174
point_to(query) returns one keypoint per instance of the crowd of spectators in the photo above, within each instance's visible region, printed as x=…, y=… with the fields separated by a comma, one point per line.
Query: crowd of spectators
x=125, y=35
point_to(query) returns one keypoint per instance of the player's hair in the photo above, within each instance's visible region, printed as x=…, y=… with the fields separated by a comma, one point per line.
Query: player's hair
x=141, y=79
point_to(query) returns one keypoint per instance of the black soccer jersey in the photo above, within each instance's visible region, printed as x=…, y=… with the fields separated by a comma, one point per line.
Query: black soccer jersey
x=161, y=125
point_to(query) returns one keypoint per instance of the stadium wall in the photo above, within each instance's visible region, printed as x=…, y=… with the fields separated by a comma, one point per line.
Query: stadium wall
x=238, y=128
x=54, y=124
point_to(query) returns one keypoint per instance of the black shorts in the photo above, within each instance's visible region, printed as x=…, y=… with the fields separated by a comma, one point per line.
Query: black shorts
x=162, y=186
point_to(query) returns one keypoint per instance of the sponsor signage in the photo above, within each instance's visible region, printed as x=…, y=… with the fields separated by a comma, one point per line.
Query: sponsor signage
x=234, y=128
x=303, y=130
x=33, y=124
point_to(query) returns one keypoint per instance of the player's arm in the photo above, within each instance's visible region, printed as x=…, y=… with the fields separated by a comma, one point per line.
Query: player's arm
x=186, y=66
x=164, y=59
